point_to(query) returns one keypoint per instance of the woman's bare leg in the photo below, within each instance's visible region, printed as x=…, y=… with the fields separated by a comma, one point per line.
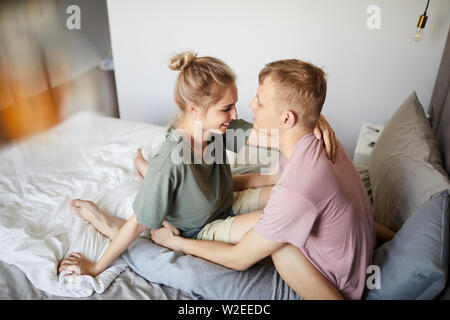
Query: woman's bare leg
x=302, y=276
x=244, y=222
x=87, y=210
x=141, y=164
x=241, y=224
x=383, y=234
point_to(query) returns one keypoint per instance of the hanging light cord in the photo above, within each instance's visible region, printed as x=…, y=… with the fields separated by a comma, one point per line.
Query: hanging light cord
x=426, y=8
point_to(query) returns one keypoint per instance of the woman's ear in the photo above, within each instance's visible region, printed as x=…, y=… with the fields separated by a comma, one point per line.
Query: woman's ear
x=193, y=109
x=289, y=119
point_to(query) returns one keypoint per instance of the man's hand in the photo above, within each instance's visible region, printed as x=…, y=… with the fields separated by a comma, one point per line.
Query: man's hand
x=323, y=129
x=165, y=236
x=77, y=264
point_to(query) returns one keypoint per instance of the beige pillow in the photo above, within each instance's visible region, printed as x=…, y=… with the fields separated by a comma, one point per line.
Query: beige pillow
x=405, y=166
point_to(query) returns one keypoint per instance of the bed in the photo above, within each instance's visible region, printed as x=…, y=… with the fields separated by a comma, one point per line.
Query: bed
x=91, y=157
x=95, y=162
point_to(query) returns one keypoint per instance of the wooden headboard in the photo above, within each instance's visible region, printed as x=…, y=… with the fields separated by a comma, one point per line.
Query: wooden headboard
x=439, y=109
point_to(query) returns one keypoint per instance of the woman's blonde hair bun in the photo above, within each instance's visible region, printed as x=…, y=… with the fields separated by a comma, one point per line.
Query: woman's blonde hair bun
x=182, y=60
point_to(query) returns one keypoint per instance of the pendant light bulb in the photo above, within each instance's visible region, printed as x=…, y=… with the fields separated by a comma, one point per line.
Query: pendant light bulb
x=418, y=35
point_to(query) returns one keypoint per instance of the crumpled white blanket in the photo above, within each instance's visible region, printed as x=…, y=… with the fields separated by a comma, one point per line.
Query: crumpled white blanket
x=88, y=157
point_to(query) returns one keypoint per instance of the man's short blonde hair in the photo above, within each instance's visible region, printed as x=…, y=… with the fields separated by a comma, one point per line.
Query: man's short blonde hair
x=300, y=86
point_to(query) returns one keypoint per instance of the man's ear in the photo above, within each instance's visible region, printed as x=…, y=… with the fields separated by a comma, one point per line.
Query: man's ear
x=289, y=119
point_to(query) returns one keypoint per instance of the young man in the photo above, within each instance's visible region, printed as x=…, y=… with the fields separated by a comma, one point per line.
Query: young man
x=317, y=225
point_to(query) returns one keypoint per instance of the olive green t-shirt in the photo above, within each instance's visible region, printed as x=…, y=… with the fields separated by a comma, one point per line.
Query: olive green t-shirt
x=187, y=191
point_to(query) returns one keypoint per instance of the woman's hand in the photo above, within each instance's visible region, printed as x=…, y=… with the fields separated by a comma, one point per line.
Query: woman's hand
x=324, y=130
x=77, y=264
x=165, y=236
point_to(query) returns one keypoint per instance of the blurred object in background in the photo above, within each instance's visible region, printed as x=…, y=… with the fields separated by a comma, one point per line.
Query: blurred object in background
x=48, y=71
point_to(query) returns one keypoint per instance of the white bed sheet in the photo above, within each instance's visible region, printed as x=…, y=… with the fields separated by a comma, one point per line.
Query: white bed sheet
x=89, y=157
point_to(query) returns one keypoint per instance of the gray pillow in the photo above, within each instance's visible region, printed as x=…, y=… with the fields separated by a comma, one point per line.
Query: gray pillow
x=405, y=166
x=414, y=264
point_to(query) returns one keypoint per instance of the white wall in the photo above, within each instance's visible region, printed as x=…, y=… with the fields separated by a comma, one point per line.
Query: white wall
x=31, y=28
x=370, y=72
x=91, y=44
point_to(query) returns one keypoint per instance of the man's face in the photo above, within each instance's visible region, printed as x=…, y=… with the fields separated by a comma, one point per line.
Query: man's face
x=266, y=114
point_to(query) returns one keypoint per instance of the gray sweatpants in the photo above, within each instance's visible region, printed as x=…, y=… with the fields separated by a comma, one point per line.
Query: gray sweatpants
x=205, y=279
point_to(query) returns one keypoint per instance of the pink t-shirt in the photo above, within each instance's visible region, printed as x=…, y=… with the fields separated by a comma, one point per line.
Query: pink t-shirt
x=323, y=209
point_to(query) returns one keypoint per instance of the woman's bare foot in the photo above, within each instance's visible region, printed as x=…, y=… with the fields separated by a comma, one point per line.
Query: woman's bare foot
x=141, y=164
x=87, y=210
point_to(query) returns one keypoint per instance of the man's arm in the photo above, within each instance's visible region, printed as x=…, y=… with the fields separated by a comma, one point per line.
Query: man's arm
x=293, y=267
x=251, y=249
x=254, y=180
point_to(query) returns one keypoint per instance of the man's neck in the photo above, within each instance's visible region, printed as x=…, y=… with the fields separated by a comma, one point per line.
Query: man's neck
x=289, y=139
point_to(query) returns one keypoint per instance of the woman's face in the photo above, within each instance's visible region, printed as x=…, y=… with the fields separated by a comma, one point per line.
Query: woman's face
x=217, y=118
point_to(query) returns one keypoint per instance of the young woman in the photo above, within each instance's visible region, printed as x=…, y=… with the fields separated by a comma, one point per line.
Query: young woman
x=195, y=196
